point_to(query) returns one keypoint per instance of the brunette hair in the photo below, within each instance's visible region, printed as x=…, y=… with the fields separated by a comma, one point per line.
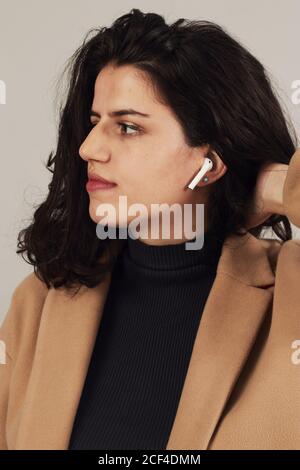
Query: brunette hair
x=222, y=96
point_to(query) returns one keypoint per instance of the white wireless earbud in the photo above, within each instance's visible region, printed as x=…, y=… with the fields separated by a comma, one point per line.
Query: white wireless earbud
x=207, y=166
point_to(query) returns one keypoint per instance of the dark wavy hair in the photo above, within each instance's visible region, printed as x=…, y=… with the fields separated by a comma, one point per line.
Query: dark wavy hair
x=221, y=95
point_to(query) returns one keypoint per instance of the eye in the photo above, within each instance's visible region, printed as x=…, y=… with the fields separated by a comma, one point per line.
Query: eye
x=123, y=125
x=129, y=126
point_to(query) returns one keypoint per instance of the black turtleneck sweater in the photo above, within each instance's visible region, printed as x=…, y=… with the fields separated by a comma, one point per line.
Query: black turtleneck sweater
x=143, y=346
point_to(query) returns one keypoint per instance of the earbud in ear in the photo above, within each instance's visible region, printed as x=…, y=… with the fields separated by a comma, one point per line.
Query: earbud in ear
x=207, y=166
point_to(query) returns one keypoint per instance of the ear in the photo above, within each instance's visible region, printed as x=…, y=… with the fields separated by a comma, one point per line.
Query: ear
x=218, y=170
x=219, y=167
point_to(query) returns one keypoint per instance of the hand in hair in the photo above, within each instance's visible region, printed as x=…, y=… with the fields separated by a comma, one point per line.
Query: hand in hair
x=268, y=194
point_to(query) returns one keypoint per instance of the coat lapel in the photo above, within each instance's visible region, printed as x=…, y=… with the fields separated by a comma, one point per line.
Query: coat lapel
x=66, y=337
x=234, y=311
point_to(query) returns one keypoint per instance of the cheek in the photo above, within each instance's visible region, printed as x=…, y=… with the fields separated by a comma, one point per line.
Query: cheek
x=153, y=176
x=140, y=177
x=172, y=180
x=157, y=191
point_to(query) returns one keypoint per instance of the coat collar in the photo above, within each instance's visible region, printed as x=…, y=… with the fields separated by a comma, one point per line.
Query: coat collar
x=233, y=313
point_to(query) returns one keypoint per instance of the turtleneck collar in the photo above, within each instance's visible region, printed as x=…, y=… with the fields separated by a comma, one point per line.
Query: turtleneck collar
x=175, y=256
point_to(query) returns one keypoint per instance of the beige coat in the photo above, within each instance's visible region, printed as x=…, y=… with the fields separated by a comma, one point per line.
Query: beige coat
x=242, y=388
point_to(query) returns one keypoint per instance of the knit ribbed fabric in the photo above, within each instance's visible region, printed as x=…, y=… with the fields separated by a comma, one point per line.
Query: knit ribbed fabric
x=143, y=346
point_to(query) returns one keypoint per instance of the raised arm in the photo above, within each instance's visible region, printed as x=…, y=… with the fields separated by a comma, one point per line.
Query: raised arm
x=277, y=192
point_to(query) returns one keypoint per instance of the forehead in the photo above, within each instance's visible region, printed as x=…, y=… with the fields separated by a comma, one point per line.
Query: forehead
x=123, y=86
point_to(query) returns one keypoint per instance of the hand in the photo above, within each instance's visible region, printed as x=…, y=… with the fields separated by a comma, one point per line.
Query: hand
x=268, y=193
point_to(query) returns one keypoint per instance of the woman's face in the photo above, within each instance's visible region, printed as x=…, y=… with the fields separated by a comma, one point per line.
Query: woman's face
x=146, y=157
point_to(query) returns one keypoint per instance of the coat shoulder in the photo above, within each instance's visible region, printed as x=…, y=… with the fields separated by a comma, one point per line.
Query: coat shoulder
x=24, y=312
x=30, y=285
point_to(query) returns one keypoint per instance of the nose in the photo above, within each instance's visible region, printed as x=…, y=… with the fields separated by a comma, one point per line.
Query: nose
x=94, y=148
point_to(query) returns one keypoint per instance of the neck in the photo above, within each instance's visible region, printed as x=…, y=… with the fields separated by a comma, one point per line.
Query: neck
x=169, y=237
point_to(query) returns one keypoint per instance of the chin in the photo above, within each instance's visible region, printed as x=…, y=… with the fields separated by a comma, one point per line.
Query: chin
x=112, y=221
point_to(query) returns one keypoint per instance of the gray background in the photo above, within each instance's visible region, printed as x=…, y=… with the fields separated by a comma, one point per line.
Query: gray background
x=37, y=37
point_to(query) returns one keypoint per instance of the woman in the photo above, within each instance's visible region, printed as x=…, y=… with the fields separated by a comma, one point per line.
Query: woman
x=140, y=343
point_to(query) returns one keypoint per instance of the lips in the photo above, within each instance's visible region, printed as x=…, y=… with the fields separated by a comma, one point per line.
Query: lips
x=97, y=182
x=95, y=177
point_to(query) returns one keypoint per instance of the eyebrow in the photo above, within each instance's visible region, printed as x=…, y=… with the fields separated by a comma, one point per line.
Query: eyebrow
x=121, y=112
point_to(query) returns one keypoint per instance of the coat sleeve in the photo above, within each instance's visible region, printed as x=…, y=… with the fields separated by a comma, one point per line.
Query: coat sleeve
x=23, y=312
x=291, y=190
